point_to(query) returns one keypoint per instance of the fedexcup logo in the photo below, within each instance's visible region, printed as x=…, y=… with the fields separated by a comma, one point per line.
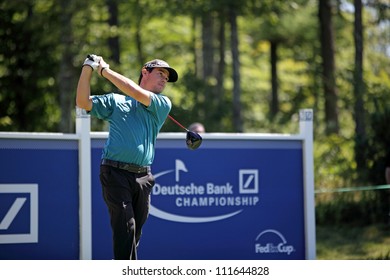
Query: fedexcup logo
x=184, y=201
x=271, y=241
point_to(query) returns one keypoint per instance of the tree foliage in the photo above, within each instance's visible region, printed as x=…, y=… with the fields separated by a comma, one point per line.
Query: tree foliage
x=227, y=79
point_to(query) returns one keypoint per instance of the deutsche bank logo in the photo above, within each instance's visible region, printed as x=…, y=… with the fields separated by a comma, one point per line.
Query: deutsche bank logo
x=249, y=180
x=18, y=197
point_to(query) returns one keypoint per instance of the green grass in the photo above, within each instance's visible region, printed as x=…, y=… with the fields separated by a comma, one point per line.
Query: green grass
x=353, y=242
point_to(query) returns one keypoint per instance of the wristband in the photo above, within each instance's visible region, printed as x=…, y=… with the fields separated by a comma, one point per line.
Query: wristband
x=101, y=71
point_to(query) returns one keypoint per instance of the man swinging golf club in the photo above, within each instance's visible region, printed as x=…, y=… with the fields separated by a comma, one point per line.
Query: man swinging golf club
x=135, y=120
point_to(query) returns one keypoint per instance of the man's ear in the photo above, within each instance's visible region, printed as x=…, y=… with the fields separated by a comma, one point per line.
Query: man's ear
x=144, y=72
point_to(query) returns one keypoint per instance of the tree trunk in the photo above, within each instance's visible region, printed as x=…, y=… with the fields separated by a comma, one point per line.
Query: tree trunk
x=113, y=42
x=237, y=119
x=328, y=65
x=220, y=75
x=194, y=49
x=138, y=37
x=360, y=132
x=274, y=79
x=66, y=75
x=207, y=46
x=197, y=55
x=207, y=65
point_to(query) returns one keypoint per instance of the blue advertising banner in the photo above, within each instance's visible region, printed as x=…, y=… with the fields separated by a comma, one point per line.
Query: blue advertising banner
x=38, y=199
x=227, y=200
x=237, y=197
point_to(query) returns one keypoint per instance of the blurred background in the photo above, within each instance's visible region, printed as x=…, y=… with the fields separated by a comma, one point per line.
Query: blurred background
x=244, y=66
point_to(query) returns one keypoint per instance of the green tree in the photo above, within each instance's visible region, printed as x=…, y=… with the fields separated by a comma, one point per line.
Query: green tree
x=113, y=24
x=328, y=66
x=289, y=29
x=66, y=76
x=237, y=119
x=359, y=89
x=28, y=94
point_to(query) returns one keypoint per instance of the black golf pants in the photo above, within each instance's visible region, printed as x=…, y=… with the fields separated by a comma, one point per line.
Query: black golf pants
x=127, y=196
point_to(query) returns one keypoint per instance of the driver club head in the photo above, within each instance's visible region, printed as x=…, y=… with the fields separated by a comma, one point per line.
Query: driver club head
x=193, y=140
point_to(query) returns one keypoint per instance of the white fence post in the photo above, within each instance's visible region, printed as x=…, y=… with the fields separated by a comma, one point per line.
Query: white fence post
x=306, y=130
x=83, y=127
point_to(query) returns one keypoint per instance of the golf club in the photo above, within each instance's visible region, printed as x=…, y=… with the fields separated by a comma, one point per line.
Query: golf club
x=193, y=139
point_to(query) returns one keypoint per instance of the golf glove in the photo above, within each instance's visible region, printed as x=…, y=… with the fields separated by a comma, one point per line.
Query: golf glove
x=92, y=61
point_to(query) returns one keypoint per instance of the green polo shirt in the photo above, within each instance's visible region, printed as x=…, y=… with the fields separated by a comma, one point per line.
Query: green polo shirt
x=133, y=126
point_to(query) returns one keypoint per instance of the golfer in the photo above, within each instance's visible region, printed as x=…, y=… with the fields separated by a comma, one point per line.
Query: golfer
x=135, y=118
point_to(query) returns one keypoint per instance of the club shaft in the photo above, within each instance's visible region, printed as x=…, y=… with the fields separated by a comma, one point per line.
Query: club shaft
x=176, y=122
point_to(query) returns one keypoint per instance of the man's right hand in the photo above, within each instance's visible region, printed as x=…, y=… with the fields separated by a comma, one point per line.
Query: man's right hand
x=102, y=65
x=92, y=61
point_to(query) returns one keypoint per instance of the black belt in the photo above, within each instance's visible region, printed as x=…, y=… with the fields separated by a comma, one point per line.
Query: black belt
x=126, y=166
